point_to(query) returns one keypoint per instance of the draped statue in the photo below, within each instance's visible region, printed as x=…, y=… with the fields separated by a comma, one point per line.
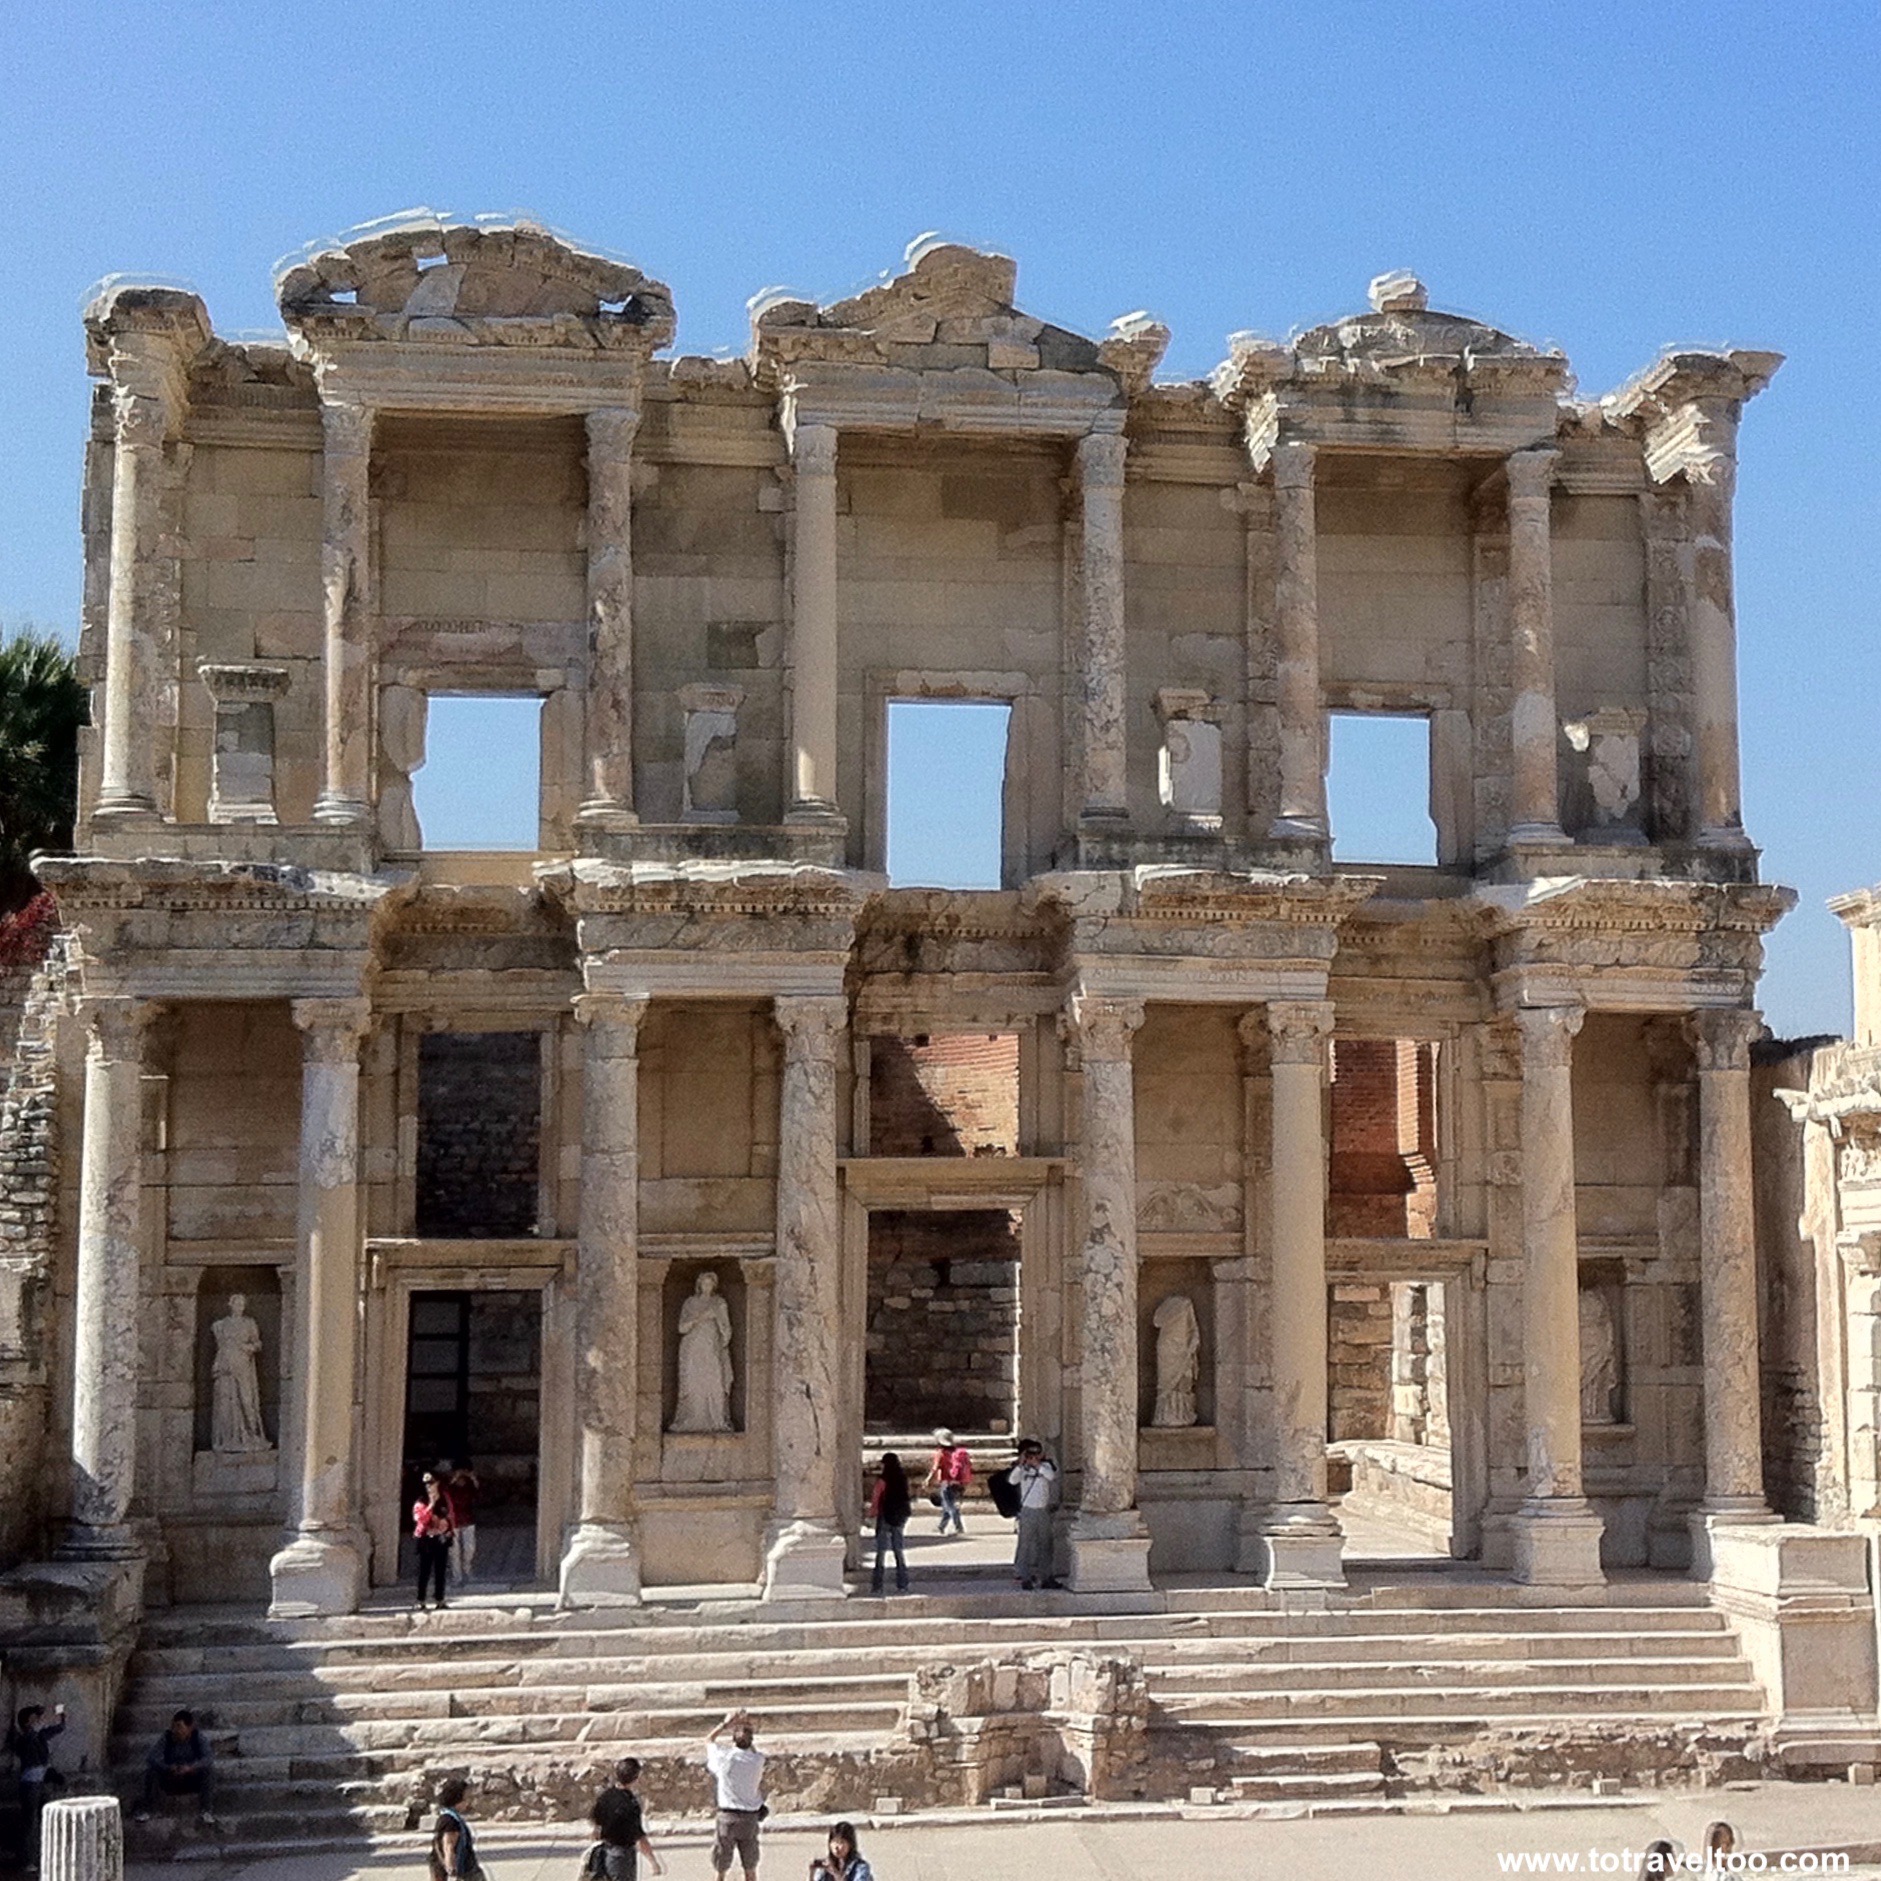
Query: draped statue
x=705, y=1361
x=1178, y=1363
x=235, y=1426
x=1600, y=1358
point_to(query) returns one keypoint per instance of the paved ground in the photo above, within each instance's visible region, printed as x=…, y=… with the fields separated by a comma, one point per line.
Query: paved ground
x=1458, y=1846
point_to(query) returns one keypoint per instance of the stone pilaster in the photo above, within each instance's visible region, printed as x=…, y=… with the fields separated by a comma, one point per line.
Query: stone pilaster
x=346, y=583
x=105, y=1312
x=805, y=1547
x=1303, y=1540
x=1296, y=647
x=1101, y=676
x=1728, y=1277
x=813, y=642
x=323, y=1567
x=1711, y=615
x=1109, y=1544
x=127, y=786
x=608, y=767
x=601, y=1566
x=1557, y=1533
x=1534, y=804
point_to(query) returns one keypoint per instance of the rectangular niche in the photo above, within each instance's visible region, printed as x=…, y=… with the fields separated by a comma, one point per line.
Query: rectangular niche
x=682, y=1281
x=228, y=1471
x=1160, y=1281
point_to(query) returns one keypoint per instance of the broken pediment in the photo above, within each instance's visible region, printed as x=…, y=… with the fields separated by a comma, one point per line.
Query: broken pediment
x=493, y=283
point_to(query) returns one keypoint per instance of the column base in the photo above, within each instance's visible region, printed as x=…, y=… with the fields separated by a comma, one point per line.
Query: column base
x=1715, y=1520
x=1298, y=1545
x=814, y=813
x=600, y=1567
x=1730, y=838
x=603, y=813
x=1297, y=829
x=100, y=1541
x=318, y=1572
x=1538, y=836
x=341, y=812
x=1109, y=1554
x=804, y=1561
x=1557, y=1544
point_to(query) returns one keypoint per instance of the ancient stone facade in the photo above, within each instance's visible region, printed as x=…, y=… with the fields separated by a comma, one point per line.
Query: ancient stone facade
x=470, y=468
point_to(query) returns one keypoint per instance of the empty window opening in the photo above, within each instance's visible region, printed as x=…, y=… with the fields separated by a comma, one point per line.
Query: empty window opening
x=480, y=784
x=1378, y=788
x=479, y=1134
x=943, y=1338
x=951, y=1094
x=946, y=792
x=1384, y=1139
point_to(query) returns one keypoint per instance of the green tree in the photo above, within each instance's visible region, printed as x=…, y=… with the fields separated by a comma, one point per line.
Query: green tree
x=42, y=705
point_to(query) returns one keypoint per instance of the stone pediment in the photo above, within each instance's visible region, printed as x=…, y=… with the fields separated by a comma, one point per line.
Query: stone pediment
x=478, y=283
x=951, y=309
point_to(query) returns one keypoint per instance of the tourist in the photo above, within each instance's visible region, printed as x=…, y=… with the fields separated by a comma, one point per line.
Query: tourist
x=1035, y=1476
x=1721, y=1846
x=891, y=1505
x=431, y=1531
x=30, y=1741
x=461, y=1489
x=844, y=1861
x=738, y=1771
x=180, y=1763
x=949, y=1473
x=453, y=1847
x=617, y=1820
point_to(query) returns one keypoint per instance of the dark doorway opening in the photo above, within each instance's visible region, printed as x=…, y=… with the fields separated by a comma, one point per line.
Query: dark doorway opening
x=479, y=1134
x=473, y=1396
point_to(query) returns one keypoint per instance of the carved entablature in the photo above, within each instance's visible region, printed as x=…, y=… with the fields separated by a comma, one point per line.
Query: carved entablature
x=944, y=343
x=1685, y=406
x=145, y=338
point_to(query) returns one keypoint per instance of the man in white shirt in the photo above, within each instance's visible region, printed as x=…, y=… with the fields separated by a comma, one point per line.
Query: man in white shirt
x=738, y=1771
x=1035, y=1476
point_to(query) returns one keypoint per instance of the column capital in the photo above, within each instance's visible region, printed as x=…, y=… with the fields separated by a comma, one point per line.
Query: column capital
x=1722, y=1038
x=1531, y=473
x=611, y=430
x=1299, y=1028
x=331, y=1029
x=116, y=1024
x=614, y=1012
x=810, y=1022
x=813, y=450
x=1294, y=462
x=1102, y=1025
x=1548, y=1035
x=138, y=417
x=1101, y=456
x=346, y=427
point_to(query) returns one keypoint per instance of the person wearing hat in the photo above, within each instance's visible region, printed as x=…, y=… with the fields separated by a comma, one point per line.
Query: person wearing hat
x=950, y=1473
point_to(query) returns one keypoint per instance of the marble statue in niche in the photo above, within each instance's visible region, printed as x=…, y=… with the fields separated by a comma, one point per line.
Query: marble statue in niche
x=1178, y=1363
x=235, y=1426
x=705, y=1361
x=1600, y=1358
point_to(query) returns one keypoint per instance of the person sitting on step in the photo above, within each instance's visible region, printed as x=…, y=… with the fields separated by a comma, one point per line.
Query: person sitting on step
x=180, y=1764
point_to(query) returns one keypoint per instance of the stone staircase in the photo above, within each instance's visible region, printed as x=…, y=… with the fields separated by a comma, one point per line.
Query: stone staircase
x=336, y=1728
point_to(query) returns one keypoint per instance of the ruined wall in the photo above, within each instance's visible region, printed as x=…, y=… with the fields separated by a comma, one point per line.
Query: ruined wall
x=1358, y=1360
x=951, y=1094
x=1383, y=1147
x=479, y=1133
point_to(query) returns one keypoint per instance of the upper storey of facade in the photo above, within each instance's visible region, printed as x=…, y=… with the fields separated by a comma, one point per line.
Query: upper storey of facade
x=469, y=469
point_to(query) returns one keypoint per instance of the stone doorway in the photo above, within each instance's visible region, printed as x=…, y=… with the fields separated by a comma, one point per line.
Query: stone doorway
x=473, y=1394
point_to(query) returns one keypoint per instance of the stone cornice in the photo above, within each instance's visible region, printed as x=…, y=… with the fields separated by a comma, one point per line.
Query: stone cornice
x=730, y=889
x=1171, y=893
x=1569, y=904
x=85, y=885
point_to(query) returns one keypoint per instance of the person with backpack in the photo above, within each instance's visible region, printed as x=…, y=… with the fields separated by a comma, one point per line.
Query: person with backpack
x=891, y=1505
x=949, y=1474
x=1035, y=1477
x=453, y=1847
x=618, y=1822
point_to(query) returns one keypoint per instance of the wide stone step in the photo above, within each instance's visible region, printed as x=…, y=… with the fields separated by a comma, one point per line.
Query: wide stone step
x=1169, y=1683
x=1333, y=1759
x=1232, y=1710
x=1306, y=1788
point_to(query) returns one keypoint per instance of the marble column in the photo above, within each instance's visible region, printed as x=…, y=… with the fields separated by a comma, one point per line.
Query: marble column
x=1101, y=680
x=127, y=785
x=805, y=1547
x=323, y=1567
x=1303, y=1540
x=106, y=1311
x=601, y=1566
x=1728, y=1275
x=1557, y=1533
x=1711, y=614
x=813, y=643
x=608, y=767
x=346, y=583
x=81, y=1838
x=1109, y=1544
x=1296, y=648
x=1534, y=802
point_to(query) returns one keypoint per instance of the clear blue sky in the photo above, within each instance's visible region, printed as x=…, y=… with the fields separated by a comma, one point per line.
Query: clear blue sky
x=1607, y=177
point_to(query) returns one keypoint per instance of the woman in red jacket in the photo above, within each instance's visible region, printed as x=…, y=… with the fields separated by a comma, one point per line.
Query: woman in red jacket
x=431, y=1530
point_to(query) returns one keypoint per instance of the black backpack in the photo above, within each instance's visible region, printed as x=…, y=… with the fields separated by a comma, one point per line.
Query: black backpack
x=1004, y=1491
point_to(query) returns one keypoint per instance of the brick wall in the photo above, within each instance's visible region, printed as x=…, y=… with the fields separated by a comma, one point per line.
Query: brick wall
x=1383, y=1180
x=479, y=1133
x=952, y=1094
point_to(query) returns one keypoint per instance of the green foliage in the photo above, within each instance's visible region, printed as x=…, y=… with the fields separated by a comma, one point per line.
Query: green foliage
x=42, y=705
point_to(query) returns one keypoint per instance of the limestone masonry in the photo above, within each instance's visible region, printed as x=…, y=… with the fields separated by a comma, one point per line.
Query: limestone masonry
x=1452, y=1163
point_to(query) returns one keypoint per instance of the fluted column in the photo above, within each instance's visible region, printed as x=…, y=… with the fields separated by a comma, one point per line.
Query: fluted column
x=813, y=642
x=601, y=1566
x=1101, y=680
x=805, y=1547
x=1296, y=647
x=346, y=583
x=1534, y=806
x=1728, y=1268
x=1109, y=1544
x=105, y=1312
x=1303, y=1540
x=322, y=1569
x=608, y=769
x=127, y=786
x=1557, y=1534
x=1712, y=614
